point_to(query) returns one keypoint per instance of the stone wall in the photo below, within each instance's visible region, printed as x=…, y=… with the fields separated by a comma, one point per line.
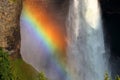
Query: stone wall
x=10, y=26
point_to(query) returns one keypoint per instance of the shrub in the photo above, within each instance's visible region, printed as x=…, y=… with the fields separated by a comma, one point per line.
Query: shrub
x=117, y=78
x=106, y=77
x=5, y=73
x=41, y=76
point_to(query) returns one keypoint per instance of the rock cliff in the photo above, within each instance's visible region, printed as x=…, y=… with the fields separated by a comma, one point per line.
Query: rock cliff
x=10, y=11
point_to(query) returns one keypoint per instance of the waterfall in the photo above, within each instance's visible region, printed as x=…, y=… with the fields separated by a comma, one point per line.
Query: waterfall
x=86, y=51
x=85, y=58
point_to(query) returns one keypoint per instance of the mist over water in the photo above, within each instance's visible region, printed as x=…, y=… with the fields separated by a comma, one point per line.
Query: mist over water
x=86, y=56
x=86, y=51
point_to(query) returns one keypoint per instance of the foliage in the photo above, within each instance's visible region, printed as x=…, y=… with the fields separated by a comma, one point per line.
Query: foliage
x=22, y=71
x=17, y=69
x=41, y=76
x=117, y=78
x=106, y=77
x=5, y=72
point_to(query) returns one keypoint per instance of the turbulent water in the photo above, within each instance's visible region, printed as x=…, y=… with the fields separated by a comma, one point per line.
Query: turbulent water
x=86, y=52
x=86, y=55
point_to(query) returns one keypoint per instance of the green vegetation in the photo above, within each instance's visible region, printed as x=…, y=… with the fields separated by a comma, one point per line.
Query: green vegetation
x=5, y=72
x=117, y=78
x=41, y=76
x=107, y=77
x=17, y=69
x=22, y=71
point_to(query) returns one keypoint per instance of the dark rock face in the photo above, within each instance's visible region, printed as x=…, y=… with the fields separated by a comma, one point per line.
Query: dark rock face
x=10, y=26
x=111, y=20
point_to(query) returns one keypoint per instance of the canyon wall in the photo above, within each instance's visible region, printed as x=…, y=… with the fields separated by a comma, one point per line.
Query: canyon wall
x=10, y=11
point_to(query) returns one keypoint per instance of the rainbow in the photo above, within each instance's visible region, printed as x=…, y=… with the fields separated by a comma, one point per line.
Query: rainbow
x=48, y=32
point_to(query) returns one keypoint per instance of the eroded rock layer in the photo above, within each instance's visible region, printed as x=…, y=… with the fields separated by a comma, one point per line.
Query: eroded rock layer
x=10, y=26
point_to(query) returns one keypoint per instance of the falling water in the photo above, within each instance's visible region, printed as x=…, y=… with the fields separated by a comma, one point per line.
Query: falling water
x=86, y=56
x=86, y=51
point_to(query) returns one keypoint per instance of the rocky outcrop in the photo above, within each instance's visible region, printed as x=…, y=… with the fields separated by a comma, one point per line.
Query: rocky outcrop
x=10, y=11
